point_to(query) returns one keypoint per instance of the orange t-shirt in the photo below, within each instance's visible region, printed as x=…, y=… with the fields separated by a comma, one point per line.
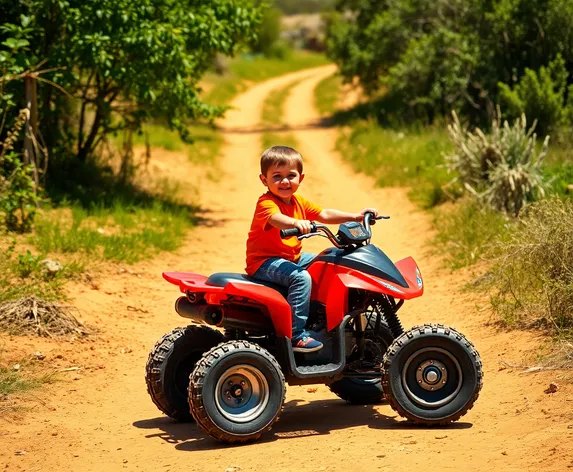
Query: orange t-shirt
x=265, y=241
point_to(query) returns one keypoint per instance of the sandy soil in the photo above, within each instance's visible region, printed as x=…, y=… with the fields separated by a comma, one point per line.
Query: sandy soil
x=101, y=418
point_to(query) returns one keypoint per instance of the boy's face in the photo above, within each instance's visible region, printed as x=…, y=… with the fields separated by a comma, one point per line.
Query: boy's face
x=282, y=181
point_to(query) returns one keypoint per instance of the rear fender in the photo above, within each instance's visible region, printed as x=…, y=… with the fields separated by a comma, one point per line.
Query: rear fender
x=278, y=308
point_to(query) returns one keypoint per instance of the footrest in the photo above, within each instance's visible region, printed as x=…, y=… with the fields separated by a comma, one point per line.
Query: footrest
x=324, y=369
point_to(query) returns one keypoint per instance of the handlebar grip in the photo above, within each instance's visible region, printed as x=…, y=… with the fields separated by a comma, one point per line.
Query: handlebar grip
x=287, y=233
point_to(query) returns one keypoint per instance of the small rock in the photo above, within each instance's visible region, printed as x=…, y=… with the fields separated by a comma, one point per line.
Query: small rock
x=441, y=437
x=125, y=461
x=312, y=389
x=51, y=266
x=570, y=426
x=100, y=230
x=16, y=367
x=233, y=468
x=38, y=355
x=20, y=453
x=504, y=453
x=553, y=387
x=381, y=456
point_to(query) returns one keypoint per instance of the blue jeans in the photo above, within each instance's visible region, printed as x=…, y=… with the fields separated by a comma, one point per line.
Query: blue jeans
x=294, y=276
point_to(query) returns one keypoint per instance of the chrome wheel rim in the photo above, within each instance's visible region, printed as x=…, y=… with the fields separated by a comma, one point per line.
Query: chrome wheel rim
x=242, y=393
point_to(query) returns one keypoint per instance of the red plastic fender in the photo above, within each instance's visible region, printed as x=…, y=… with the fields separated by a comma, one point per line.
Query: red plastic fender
x=337, y=302
x=410, y=271
x=279, y=309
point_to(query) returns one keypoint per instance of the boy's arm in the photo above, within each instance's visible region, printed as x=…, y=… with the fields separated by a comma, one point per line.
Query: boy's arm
x=280, y=221
x=336, y=216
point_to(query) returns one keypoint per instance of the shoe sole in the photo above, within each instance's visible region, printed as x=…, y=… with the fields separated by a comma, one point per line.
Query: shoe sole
x=304, y=350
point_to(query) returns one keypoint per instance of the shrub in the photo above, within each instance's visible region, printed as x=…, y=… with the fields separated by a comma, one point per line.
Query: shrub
x=502, y=169
x=533, y=279
x=540, y=95
x=18, y=197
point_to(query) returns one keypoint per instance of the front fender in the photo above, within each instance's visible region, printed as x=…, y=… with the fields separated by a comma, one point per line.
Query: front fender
x=342, y=282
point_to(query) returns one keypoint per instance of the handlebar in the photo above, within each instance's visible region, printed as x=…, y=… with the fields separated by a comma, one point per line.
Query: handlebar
x=369, y=219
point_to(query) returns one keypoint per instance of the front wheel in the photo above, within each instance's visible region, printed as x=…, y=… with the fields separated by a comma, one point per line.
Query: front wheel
x=236, y=392
x=432, y=375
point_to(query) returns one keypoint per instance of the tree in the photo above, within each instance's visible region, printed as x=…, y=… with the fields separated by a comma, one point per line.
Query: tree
x=121, y=62
x=438, y=55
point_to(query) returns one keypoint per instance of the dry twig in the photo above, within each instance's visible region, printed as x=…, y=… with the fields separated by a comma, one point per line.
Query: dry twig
x=32, y=315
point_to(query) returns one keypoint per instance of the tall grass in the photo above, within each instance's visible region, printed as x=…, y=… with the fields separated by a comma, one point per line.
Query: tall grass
x=467, y=232
x=119, y=233
x=532, y=279
x=407, y=158
x=327, y=94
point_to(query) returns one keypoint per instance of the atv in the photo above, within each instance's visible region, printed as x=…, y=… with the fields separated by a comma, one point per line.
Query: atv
x=228, y=370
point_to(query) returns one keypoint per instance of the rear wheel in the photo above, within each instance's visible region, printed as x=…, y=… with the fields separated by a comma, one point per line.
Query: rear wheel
x=170, y=363
x=432, y=375
x=236, y=392
x=366, y=391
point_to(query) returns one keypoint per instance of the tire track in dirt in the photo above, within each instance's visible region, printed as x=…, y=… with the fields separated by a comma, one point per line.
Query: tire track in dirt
x=105, y=420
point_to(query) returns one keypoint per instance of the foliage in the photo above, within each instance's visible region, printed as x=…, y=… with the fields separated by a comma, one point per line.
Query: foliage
x=503, y=169
x=532, y=282
x=540, y=94
x=268, y=36
x=121, y=61
x=18, y=196
x=448, y=54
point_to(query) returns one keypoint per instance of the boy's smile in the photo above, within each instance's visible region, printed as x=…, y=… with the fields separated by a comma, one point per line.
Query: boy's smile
x=282, y=180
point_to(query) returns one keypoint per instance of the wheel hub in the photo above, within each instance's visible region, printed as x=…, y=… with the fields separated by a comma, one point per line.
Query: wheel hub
x=242, y=393
x=432, y=375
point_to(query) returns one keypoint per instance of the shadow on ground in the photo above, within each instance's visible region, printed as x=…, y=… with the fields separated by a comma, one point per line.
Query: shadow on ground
x=297, y=420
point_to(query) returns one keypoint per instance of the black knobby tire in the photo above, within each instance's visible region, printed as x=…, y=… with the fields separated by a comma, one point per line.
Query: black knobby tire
x=218, y=374
x=454, y=364
x=170, y=363
x=365, y=391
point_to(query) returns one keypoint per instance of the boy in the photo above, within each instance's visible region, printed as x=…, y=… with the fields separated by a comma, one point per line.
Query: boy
x=273, y=259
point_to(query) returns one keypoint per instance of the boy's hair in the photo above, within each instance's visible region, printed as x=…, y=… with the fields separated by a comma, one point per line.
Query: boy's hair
x=280, y=155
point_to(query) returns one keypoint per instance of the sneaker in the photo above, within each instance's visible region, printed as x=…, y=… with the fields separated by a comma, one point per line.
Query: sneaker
x=306, y=344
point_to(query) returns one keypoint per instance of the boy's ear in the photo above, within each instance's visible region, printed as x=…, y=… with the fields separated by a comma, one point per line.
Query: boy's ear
x=301, y=178
x=263, y=179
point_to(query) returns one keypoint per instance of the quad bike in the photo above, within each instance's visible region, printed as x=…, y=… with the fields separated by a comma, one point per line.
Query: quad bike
x=231, y=380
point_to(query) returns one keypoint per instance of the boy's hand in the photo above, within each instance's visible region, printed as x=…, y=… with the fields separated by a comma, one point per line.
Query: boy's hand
x=360, y=216
x=304, y=226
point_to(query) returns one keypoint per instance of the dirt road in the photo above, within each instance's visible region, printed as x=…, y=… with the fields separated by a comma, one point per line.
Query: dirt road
x=100, y=417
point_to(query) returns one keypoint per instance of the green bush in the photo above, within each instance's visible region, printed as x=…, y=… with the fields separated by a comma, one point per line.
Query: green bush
x=533, y=280
x=503, y=168
x=540, y=95
x=18, y=196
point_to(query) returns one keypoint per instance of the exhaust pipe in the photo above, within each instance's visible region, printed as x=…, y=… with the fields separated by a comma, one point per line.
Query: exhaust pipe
x=200, y=312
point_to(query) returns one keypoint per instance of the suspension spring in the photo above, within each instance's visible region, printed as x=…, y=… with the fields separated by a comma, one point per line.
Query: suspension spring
x=392, y=318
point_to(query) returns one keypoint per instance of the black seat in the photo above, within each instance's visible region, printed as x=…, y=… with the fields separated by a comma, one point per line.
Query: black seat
x=221, y=279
